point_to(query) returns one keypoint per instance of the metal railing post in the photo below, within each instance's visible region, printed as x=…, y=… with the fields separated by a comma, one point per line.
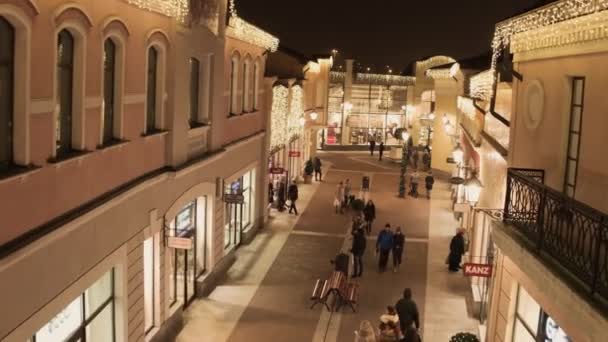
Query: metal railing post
x=508, y=197
x=540, y=219
x=596, y=256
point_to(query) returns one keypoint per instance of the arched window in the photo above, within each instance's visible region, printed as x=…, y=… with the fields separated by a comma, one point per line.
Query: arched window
x=194, y=91
x=65, y=80
x=109, y=89
x=151, y=88
x=234, y=84
x=246, y=78
x=256, y=85
x=7, y=69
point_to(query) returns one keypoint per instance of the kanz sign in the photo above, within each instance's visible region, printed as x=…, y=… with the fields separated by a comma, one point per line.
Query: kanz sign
x=294, y=154
x=277, y=170
x=477, y=270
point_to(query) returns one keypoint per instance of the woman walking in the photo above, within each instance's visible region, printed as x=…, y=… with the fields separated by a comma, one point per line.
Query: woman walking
x=369, y=213
x=398, y=246
x=365, y=333
x=338, y=198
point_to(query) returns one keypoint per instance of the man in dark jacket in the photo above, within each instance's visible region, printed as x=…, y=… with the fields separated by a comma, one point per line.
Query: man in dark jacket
x=456, y=251
x=358, y=249
x=398, y=247
x=292, y=195
x=384, y=244
x=369, y=213
x=380, y=151
x=408, y=311
x=372, y=145
x=429, y=180
x=281, y=196
x=318, y=175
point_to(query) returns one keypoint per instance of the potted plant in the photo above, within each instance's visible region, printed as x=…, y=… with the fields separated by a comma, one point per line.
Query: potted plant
x=309, y=168
x=464, y=337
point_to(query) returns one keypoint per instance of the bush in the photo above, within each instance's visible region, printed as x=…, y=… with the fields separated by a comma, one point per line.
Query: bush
x=464, y=337
x=357, y=205
x=309, y=168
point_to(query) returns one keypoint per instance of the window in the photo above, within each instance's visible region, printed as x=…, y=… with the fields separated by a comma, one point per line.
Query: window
x=184, y=266
x=245, y=86
x=256, y=85
x=234, y=76
x=151, y=101
x=89, y=318
x=7, y=59
x=65, y=78
x=109, y=89
x=574, y=135
x=149, y=244
x=194, y=91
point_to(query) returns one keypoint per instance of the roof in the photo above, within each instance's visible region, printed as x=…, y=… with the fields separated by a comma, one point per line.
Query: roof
x=480, y=62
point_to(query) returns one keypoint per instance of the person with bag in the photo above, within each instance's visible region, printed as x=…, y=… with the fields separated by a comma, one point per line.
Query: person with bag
x=358, y=249
x=408, y=313
x=292, y=194
x=398, y=246
x=384, y=245
x=338, y=198
x=369, y=213
x=365, y=332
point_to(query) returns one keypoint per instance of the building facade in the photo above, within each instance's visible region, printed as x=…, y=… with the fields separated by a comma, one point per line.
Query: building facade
x=130, y=165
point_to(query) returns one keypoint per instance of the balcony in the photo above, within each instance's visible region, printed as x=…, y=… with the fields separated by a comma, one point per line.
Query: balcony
x=564, y=233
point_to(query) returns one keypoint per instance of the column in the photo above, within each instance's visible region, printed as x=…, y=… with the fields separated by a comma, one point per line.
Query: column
x=348, y=89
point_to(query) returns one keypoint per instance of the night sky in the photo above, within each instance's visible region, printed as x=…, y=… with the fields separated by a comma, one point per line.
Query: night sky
x=378, y=33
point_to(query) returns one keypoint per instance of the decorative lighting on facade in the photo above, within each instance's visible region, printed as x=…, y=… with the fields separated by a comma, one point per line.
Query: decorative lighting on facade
x=295, y=112
x=379, y=79
x=480, y=85
x=242, y=30
x=278, y=117
x=171, y=8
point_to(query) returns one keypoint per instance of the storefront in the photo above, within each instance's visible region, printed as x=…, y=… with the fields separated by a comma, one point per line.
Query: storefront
x=89, y=317
x=187, y=240
x=239, y=210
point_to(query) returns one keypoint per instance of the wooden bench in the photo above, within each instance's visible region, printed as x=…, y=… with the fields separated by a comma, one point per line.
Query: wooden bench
x=319, y=293
x=352, y=295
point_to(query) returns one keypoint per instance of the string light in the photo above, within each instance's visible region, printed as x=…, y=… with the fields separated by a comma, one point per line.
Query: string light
x=242, y=30
x=480, y=85
x=434, y=61
x=439, y=73
x=388, y=80
x=171, y=8
x=337, y=76
x=278, y=117
x=296, y=112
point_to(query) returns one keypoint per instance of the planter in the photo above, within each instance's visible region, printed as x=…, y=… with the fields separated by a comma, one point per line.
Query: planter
x=307, y=179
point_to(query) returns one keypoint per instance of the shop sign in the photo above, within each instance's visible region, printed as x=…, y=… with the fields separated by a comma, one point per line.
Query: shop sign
x=477, y=270
x=277, y=170
x=295, y=154
x=179, y=242
x=234, y=198
x=450, y=160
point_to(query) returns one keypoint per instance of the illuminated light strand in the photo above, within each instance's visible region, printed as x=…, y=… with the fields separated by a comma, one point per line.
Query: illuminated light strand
x=467, y=106
x=242, y=30
x=337, y=76
x=278, y=117
x=389, y=80
x=434, y=61
x=171, y=8
x=296, y=112
x=439, y=73
x=480, y=85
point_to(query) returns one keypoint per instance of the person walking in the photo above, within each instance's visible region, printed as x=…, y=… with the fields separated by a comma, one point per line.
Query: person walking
x=372, y=145
x=318, y=165
x=414, y=179
x=369, y=214
x=358, y=249
x=398, y=247
x=429, y=180
x=281, y=195
x=389, y=329
x=292, y=194
x=384, y=244
x=408, y=312
x=380, y=150
x=365, y=332
x=415, y=159
x=426, y=159
x=338, y=198
x=456, y=251
x=347, y=189
x=270, y=193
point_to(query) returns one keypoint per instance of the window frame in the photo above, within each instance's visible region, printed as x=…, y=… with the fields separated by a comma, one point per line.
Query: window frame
x=234, y=85
x=195, y=96
x=574, y=131
x=64, y=120
x=151, y=116
x=109, y=109
x=256, y=86
x=9, y=64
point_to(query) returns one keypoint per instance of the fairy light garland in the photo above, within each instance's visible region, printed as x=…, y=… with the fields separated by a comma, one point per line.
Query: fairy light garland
x=434, y=61
x=295, y=113
x=337, y=76
x=171, y=8
x=444, y=73
x=480, y=85
x=242, y=30
x=278, y=117
x=388, y=80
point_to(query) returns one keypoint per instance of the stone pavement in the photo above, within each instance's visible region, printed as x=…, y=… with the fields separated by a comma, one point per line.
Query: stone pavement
x=265, y=296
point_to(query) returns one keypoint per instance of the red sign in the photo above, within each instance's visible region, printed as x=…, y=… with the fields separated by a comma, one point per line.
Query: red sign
x=277, y=170
x=477, y=270
x=294, y=153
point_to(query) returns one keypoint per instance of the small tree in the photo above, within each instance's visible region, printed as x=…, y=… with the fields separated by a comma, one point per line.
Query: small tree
x=309, y=168
x=464, y=337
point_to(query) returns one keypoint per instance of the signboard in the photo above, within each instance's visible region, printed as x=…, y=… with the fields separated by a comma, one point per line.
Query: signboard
x=277, y=170
x=294, y=154
x=234, y=198
x=179, y=242
x=477, y=270
x=450, y=160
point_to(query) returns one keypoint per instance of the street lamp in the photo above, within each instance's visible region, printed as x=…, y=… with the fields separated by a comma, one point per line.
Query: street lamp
x=314, y=116
x=405, y=135
x=472, y=188
x=458, y=154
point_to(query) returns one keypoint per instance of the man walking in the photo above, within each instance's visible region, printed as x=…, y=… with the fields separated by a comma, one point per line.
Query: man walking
x=398, y=247
x=347, y=188
x=456, y=251
x=372, y=145
x=318, y=174
x=414, y=179
x=429, y=180
x=292, y=195
x=339, y=198
x=408, y=311
x=358, y=249
x=384, y=244
x=380, y=151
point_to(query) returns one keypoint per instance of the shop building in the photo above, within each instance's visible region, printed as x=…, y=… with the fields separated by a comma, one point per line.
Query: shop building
x=131, y=173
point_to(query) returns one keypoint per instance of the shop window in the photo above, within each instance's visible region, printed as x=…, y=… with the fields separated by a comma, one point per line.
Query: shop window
x=149, y=284
x=256, y=85
x=7, y=69
x=109, y=90
x=194, y=91
x=246, y=78
x=574, y=135
x=65, y=80
x=151, y=90
x=89, y=318
x=234, y=78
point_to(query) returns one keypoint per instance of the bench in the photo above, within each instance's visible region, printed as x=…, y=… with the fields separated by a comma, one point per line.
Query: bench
x=319, y=293
x=352, y=295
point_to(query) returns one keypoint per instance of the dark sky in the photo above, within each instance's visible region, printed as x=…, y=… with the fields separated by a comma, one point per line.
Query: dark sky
x=382, y=32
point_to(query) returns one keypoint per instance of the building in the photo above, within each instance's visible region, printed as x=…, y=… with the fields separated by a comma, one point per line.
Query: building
x=130, y=169
x=547, y=241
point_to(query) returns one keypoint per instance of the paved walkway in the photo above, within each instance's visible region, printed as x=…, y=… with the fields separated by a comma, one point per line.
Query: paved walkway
x=265, y=296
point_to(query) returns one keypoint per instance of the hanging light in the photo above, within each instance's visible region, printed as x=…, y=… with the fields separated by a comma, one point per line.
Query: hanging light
x=302, y=121
x=472, y=187
x=405, y=135
x=432, y=116
x=314, y=116
x=458, y=154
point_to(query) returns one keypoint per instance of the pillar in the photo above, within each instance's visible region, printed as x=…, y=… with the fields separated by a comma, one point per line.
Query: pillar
x=348, y=89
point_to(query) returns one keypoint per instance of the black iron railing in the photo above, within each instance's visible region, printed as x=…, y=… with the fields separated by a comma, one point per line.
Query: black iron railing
x=567, y=232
